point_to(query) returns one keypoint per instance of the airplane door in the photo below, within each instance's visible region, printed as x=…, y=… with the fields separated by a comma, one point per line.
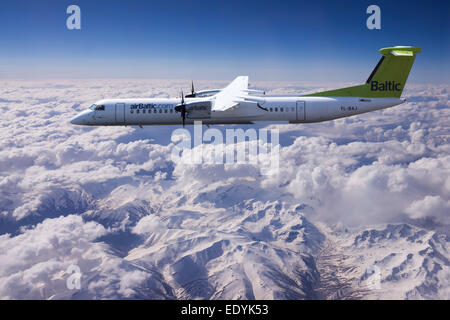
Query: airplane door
x=301, y=111
x=120, y=113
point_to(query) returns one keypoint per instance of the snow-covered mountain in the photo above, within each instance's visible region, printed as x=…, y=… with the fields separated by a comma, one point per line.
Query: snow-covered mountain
x=394, y=261
x=251, y=250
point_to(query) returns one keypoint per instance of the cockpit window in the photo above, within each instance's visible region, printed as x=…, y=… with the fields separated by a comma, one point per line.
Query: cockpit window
x=99, y=107
x=92, y=107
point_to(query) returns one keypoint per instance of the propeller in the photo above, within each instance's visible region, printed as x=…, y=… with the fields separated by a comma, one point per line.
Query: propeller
x=192, y=94
x=182, y=108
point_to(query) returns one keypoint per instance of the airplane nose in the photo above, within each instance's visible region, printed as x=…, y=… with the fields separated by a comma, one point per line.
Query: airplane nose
x=76, y=120
x=84, y=117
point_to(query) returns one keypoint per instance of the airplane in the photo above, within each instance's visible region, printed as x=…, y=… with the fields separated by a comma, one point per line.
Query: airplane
x=237, y=104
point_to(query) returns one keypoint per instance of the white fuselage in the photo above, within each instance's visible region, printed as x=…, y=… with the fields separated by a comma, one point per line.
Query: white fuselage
x=159, y=111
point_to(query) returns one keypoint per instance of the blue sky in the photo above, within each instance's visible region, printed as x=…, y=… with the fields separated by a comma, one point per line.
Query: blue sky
x=268, y=40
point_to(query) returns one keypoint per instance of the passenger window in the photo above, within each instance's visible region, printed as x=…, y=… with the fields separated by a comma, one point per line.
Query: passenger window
x=137, y=111
x=143, y=111
x=171, y=110
x=131, y=111
x=160, y=110
x=165, y=111
x=281, y=109
x=271, y=109
x=276, y=109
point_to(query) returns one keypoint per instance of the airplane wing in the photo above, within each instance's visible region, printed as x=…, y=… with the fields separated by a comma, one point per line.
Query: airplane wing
x=231, y=95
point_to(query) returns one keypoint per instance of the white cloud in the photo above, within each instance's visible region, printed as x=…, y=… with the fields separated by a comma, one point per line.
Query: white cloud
x=30, y=260
x=33, y=265
x=429, y=206
x=149, y=224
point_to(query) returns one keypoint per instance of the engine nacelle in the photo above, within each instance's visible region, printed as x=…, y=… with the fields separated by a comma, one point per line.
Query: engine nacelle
x=203, y=93
x=198, y=110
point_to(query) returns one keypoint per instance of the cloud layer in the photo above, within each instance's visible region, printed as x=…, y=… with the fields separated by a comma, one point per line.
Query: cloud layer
x=111, y=201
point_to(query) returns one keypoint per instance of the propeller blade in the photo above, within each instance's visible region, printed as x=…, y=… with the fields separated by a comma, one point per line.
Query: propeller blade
x=182, y=108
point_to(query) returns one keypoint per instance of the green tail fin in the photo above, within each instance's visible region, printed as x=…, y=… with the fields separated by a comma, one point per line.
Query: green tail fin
x=387, y=80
